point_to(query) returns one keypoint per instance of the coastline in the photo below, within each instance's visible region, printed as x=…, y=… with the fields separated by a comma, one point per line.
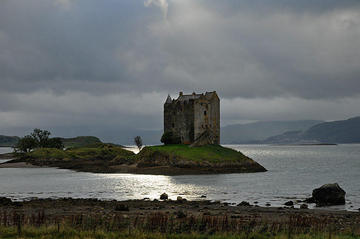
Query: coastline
x=168, y=160
x=18, y=165
x=181, y=211
x=98, y=166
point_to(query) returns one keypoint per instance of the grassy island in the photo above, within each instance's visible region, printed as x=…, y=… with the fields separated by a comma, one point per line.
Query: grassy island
x=161, y=160
x=182, y=159
x=211, y=153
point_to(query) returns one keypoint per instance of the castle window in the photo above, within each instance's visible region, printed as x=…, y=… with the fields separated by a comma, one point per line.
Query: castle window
x=173, y=125
x=205, y=112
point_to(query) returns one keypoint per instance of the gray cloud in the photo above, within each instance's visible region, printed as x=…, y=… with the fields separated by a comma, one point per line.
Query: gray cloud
x=84, y=62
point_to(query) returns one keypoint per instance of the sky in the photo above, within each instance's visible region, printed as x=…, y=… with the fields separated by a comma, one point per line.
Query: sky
x=90, y=67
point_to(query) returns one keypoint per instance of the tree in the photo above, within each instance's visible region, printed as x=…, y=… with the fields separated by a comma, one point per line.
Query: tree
x=26, y=144
x=138, y=142
x=41, y=137
x=38, y=139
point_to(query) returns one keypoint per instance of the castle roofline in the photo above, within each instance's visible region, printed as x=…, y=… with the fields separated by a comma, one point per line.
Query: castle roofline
x=168, y=100
x=195, y=96
x=182, y=98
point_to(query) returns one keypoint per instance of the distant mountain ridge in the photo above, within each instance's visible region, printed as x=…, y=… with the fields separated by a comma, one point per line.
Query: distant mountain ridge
x=265, y=132
x=80, y=141
x=338, y=132
x=11, y=141
x=8, y=141
x=257, y=131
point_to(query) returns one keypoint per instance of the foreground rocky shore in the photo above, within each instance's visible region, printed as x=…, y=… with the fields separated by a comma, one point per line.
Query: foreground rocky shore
x=174, y=216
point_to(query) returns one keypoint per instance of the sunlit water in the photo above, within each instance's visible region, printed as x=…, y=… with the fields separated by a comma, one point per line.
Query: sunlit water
x=293, y=172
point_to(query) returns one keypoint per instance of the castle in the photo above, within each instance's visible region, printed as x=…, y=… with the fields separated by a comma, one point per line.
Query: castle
x=193, y=119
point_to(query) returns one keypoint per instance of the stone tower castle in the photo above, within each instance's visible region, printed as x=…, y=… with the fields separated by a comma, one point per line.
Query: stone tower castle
x=193, y=119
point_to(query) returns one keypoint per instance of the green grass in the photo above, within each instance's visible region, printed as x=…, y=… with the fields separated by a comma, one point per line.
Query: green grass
x=210, y=153
x=53, y=232
x=95, y=151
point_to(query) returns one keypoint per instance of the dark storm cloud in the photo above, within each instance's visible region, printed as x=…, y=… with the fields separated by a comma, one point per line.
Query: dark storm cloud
x=297, y=7
x=72, y=62
x=116, y=46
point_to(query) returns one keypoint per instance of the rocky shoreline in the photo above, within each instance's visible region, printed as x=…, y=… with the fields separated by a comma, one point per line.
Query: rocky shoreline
x=131, y=212
x=98, y=166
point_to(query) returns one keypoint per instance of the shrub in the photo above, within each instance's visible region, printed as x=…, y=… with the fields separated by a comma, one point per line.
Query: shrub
x=170, y=138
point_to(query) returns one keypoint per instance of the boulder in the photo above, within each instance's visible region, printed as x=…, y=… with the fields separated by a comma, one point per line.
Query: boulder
x=5, y=201
x=289, y=203
x=327, y=195
x=244, y=204
x=164, y=196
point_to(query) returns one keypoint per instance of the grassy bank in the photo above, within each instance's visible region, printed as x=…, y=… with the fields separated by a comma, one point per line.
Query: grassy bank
x=210, y=153
x=197, y=160
x=57, y=232
x=90, y=152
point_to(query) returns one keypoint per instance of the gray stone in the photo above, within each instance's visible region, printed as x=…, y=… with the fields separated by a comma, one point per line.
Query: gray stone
x=244, y=204
x=164, y=196
x=327, y=195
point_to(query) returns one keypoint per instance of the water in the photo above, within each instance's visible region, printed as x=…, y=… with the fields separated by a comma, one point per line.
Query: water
x=293, y=172
x=4, y=150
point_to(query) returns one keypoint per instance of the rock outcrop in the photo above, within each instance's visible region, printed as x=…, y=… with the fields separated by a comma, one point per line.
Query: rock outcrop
x=5, y=201
x=328, y=195
x=164, y=196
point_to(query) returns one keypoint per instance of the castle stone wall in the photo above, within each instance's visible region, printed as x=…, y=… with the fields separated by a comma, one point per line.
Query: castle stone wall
x=189, y=116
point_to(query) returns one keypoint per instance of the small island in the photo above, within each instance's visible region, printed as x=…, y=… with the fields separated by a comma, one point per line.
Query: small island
x=157, y=160
x=191, y=145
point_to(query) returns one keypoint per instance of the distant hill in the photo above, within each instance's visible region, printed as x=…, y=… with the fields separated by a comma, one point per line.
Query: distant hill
x=8, y=141
x=342, y=131
x=80, y=141
x=254, y=132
